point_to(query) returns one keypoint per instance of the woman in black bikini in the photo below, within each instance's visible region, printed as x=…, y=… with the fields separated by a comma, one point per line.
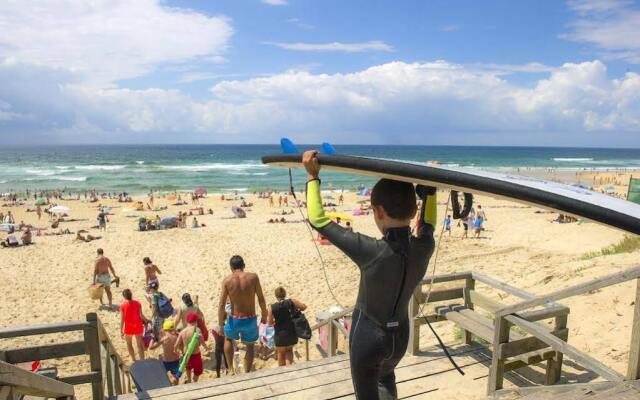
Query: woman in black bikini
x=284, y=331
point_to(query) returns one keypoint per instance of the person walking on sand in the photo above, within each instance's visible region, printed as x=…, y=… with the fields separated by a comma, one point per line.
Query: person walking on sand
x=39, y=212
x=390, y=270
x=194, y=364
x=151, y=271
x=132, y=324
x=102, y=220
x=241, y=288
x=284, y=331
x=102, y=267
x=170, y=357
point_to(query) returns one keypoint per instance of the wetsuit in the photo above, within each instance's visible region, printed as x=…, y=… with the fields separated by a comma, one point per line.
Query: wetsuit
x=390, y=270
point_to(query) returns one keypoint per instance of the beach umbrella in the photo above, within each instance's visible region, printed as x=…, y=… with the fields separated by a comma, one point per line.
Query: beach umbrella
x=59, y=210
x=342, y=216
x=40, y=202
x=200, y=191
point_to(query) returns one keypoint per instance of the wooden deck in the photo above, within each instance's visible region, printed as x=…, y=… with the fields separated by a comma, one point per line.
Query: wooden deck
x=585, y=391
x=428, y=375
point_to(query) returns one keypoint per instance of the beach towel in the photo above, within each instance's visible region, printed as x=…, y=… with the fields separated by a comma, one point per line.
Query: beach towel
x=266, y=333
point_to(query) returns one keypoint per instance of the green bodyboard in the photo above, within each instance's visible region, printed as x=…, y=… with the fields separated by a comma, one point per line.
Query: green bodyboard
x=193, y=343
x=633, y=194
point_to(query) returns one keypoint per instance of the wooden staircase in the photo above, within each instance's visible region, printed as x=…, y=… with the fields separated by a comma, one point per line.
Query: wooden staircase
x=419, y=376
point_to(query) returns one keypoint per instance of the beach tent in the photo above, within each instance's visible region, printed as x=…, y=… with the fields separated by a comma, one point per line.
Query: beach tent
x=40, y=202
x=238, y=212
x=59, y=210
x=169, y=222
x=200, y=191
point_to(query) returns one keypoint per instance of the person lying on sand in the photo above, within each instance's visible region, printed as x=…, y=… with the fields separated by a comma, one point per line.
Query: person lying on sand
x=87, y=238
x=26, y=237
x=10, y=241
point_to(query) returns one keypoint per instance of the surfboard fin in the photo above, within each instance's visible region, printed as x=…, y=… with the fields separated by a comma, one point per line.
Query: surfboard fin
x=328, y=149
x=288, y=147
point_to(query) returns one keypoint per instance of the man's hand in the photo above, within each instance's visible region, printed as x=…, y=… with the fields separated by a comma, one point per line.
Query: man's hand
x=311, y=164
x=423, y=191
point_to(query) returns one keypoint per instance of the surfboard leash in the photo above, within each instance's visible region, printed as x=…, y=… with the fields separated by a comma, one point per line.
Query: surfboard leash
x=433, y=274
x=308, y=225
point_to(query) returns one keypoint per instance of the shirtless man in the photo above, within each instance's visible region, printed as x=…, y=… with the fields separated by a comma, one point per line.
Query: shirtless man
x=195, y=361
x=241, y=288
x=151, y=271
x=101, y=275
x=170, y=357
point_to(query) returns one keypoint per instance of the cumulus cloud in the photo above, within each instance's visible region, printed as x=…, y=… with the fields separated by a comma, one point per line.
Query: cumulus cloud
x=275, y=2
x=612, y=26
x=104, y=41
x=428, y=102
x=373, y=45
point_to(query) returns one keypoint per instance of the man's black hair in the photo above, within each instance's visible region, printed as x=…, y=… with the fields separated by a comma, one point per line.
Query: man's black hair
x=397, y=198
x=236, y=262
x=100, y=252
x=127, y=294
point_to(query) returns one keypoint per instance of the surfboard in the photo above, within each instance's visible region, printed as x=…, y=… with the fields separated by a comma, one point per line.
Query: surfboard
x=568, y=199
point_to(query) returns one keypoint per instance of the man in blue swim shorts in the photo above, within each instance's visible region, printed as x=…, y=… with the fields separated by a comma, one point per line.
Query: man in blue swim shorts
x=241, y=288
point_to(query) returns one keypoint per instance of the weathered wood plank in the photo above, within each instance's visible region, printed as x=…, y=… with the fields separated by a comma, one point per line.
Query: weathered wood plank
x=560, y=345
x=45, y=352
x=633, y=368
x=414, y=326
x=576, y=290
x=545, y=313
x=454, y=276
x=485, y=302
x=337, y=315
x=27, y=383
x=503, y=286
x=477, y=328
x=469, y=286
x=80, y=379
x=32, y=330
x=441, y=295
x=93, y=349
x=527, y=344
x=496, y=371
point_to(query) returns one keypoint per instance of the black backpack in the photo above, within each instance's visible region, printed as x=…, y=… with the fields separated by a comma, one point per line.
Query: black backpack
x=300, y=323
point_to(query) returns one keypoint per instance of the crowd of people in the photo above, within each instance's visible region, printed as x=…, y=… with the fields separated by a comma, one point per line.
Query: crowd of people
x=163, y=324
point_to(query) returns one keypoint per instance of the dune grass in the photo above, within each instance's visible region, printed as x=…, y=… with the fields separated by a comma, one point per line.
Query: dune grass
x=628, y=244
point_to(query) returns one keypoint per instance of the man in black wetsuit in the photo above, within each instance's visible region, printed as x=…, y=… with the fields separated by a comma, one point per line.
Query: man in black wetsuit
x=390, y=270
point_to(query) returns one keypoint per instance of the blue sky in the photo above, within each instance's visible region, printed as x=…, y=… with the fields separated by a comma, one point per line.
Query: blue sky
x=249, y=71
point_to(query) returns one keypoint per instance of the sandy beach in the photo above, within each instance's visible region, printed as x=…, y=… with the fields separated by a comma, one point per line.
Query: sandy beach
x=48, y=281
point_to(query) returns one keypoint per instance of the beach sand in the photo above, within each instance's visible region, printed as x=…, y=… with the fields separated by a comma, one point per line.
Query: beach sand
x=48, y=282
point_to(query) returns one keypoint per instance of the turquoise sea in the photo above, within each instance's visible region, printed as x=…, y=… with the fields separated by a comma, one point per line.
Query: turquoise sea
x=140, y=168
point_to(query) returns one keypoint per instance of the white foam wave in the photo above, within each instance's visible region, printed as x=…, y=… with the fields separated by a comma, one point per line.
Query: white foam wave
x=578, y=159
x=63, y=167
x=237, y=189
x=260, y=173
x=58, y=178
x=40, y=172
x=99, y=167
x=212, y=166
x=139, y=162
x=3, y=182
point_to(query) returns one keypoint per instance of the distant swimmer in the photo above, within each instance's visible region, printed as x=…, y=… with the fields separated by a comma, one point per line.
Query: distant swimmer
x=390, y=270
x=241, y=288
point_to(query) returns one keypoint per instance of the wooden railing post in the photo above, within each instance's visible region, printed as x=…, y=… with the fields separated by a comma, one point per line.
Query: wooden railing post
x=306, y=350
x=496, y=372
x=414, y=328
x=554, y=365
x=633, y=370
x=93, y=348
x=470, y=284
x=333, y=336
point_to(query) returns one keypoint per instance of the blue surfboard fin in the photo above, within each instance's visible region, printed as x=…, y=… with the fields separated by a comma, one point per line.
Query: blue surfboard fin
x=328, y=149
x=288, y=147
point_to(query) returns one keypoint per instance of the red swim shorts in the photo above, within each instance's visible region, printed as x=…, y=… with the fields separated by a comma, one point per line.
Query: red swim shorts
x=195, y=364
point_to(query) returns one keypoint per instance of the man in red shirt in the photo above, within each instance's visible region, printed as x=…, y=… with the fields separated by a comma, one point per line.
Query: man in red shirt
x=132, y=324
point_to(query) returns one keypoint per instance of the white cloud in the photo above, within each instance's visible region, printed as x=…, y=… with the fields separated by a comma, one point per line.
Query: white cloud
x=612, y=26
x=104, y=41
x=302, y=25
x=450, y=28
x=373, y=45
x=275, y=2
x=429, y=102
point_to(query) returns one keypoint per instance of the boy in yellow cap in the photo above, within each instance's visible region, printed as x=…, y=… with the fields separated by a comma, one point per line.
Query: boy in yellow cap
x=170, y=358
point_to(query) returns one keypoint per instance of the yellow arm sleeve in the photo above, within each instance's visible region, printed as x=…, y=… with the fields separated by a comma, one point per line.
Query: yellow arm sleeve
x=431, y=210
x=317, y=218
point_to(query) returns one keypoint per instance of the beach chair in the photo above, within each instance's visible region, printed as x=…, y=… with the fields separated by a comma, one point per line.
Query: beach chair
x=149, y=374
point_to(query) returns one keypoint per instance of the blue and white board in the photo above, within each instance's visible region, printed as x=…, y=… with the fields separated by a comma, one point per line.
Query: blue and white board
x=572, y=200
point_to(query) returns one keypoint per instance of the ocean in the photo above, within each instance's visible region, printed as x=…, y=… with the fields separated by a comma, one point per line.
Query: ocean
x=138, y=169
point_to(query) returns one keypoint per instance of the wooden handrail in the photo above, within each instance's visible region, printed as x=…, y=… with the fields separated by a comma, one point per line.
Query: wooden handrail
x=454, y=276
x=576, y=290
x=32, y=330
x=331, y=321
x=23, y=382
x=563, y=347
x=330, y=318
